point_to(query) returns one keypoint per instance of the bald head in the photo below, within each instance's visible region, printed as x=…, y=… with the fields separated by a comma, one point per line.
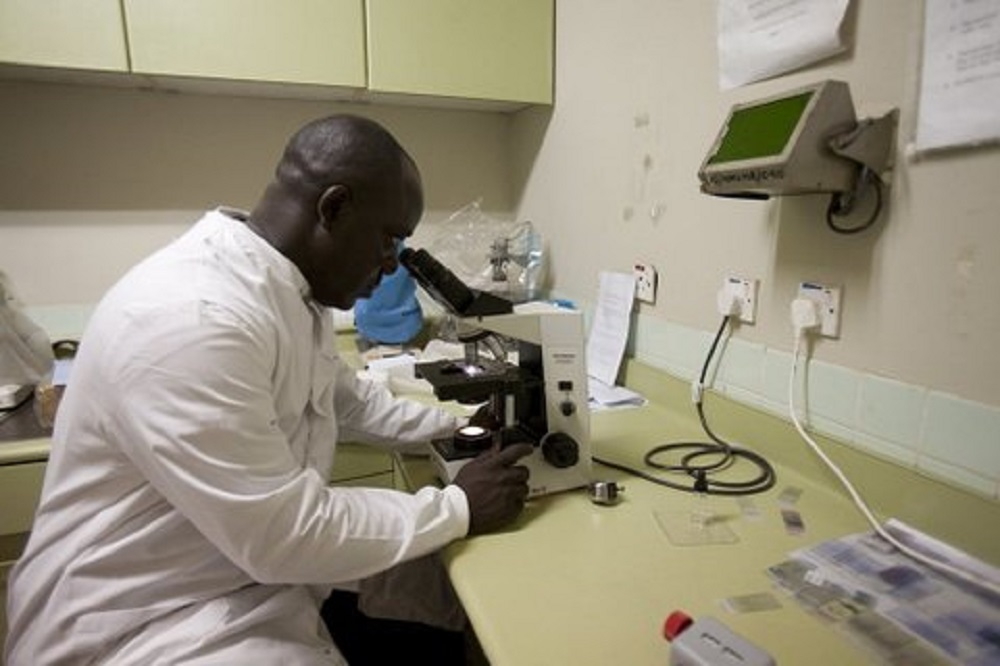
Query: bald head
x=343, y=192
x=337, y=149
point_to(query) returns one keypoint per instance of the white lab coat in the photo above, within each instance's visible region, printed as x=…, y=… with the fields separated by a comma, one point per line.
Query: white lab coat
x=186, y=516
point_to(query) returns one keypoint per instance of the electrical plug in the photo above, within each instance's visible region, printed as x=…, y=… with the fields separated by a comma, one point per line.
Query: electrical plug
x=728, y=303
x=805, y=316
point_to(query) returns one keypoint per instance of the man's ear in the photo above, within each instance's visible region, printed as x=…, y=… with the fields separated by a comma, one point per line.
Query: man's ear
x=331, y=203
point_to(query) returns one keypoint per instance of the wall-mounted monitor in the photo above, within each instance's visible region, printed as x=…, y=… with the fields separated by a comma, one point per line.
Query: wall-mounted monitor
x=780, y=145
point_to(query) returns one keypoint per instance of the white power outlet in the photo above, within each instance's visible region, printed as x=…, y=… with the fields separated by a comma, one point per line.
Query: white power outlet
x=645, y=282
x=827, y=301
x=741, y=293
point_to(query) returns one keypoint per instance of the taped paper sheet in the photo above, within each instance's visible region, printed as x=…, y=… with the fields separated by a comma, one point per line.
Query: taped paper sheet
x=609, y=331
x=759, y=39
x=960, y=81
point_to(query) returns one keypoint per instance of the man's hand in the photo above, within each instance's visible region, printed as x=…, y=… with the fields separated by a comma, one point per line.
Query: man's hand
x=495, y=487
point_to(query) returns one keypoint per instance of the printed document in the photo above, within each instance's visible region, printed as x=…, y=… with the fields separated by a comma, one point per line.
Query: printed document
x=960, y=80
x=759, y=39
x=609, y=331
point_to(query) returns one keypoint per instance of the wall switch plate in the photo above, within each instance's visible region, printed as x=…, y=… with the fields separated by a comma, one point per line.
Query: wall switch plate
x=645, y=282
x=741, y=293
x=827, y=301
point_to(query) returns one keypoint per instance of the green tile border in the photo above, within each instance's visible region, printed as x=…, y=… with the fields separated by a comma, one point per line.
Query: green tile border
x=950, y=439
x=936, y=501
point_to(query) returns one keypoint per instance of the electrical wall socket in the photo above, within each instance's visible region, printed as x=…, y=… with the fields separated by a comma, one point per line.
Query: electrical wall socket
x=645, y=282
x=827, y=301
x=744, y=292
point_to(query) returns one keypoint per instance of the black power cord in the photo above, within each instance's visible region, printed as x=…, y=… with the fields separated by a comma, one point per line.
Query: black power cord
x=722, y=454
x=841, y=206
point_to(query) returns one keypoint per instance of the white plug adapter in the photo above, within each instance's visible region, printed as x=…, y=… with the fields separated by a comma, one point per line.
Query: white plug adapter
x=727, y=302
x=737, y=299
x=805, y=315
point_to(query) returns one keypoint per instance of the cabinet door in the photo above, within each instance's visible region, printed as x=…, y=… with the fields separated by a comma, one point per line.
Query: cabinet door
x=358, y=461
x=291, y=41
x=63, y=33
x=20, y=487
x=482, y=49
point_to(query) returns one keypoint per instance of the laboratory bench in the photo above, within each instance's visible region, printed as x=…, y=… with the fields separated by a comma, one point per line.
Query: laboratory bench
x=22, y=468
x=574, y=582
x=23, y=454
x=24, y=451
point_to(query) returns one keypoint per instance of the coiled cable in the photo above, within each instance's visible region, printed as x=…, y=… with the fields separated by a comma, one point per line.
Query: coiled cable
x=721, y=454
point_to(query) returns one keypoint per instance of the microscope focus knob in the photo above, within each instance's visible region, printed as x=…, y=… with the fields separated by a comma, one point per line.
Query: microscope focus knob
x=560, y=450
x=567, y=407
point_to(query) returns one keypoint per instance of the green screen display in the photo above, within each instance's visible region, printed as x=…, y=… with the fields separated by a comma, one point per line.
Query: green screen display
x=762, y=130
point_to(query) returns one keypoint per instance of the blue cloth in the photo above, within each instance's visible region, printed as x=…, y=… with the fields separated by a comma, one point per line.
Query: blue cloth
x=392, y=314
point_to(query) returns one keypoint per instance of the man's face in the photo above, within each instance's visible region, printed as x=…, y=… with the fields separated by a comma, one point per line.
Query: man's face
x=360, y=246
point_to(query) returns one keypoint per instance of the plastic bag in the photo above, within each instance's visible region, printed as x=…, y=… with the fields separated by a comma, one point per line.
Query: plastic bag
x=25, y=349
x=503, y=258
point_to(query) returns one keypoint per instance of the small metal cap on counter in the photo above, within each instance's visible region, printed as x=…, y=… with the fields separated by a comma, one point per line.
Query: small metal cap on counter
x=605, y=492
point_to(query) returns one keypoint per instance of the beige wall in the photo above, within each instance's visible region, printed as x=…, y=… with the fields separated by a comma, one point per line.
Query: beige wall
x=637, y=107
x=94, y=178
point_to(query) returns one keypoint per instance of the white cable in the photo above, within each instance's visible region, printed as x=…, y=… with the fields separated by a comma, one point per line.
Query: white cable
x=968, y=576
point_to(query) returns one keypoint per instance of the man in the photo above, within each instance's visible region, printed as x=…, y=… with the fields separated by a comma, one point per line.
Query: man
x=186, y=516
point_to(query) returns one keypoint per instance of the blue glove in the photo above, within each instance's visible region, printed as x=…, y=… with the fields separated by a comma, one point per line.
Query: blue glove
x=392, y=314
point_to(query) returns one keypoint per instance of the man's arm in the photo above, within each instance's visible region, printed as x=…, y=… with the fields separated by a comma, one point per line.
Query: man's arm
x=368, y=412
x=198, y=421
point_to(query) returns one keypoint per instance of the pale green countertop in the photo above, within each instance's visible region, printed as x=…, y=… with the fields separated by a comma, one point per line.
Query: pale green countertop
x=24, y=450
x=577, y=583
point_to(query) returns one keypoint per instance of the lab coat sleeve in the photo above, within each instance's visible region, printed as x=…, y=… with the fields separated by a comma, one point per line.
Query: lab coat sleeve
x=193, y=410
x=369, y=413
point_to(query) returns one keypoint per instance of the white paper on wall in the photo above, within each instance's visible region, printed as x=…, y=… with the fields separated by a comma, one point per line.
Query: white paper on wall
x=609, y=330
x=759, y=39
x=960, y=79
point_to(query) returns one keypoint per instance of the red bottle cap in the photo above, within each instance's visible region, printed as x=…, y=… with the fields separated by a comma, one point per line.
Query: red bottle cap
x=675, y=624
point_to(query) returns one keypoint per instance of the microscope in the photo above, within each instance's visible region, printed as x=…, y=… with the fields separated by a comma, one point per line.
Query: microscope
x=525, y=363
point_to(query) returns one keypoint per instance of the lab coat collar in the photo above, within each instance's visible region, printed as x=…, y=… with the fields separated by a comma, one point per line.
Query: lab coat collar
x=258, y=248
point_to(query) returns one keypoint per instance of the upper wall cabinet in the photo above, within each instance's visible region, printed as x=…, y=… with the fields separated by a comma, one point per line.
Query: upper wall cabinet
x=483, y=50
x=491, y=54
x=289, y=41
x=63, y=33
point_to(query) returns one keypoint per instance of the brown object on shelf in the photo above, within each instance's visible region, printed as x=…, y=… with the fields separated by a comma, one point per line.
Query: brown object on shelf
x=47, y=397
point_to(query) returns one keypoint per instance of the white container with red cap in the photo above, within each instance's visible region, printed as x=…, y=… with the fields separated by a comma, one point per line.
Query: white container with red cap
x=708, y=642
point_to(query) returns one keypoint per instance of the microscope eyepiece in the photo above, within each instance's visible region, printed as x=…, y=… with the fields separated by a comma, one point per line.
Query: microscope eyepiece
x=441, y=283
x=447, y=288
